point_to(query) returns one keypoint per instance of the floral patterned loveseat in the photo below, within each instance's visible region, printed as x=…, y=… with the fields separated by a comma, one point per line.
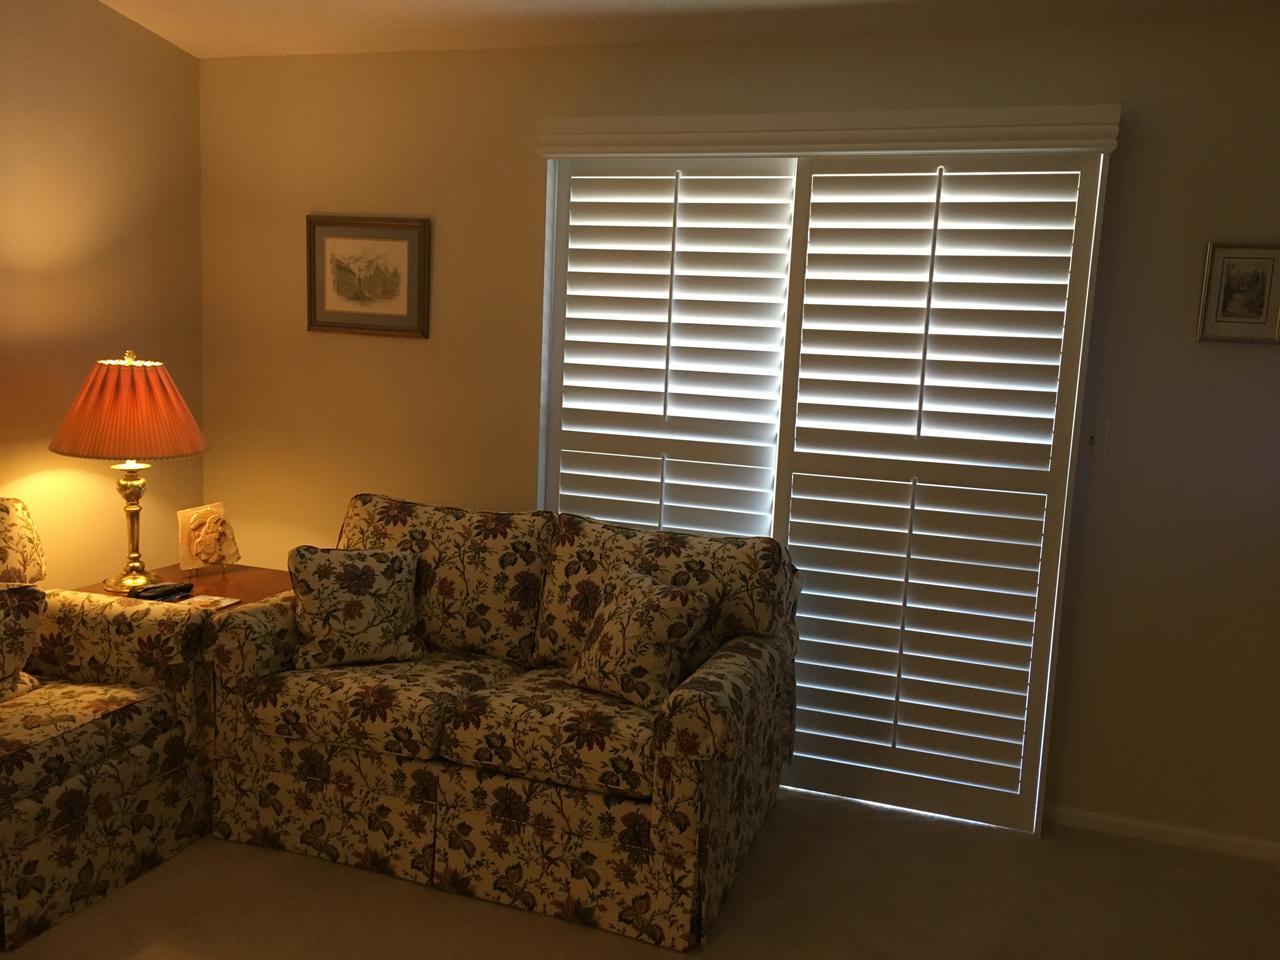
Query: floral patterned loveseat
x=479, y=768
x=100, y=774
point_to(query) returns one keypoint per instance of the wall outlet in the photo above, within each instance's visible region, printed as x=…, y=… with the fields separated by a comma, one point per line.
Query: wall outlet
x=1093, y=441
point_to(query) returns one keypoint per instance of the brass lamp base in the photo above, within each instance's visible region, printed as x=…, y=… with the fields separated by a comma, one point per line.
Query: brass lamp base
x=132, y=485
x=128, y=581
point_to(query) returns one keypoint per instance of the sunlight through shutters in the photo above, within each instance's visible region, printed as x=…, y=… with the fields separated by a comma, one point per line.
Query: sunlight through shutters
x=876, y=358
x=674, y=293
x=928, y=474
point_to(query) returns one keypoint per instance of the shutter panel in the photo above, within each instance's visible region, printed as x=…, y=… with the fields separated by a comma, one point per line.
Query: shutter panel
x=940, y=327
x=915, y=645
x=672, y=301
x=891, y=386
x=934, y=315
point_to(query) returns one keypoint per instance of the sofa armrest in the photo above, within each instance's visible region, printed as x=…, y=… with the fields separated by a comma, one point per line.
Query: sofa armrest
x=91, y=638
x=252, y=640
x=705, y=717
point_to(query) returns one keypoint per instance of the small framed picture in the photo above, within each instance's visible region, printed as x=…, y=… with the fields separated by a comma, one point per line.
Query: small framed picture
x=368, y=274
x=1240, y=301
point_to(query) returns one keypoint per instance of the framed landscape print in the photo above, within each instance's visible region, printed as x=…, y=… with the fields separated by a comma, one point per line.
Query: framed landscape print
x=1240, y=301
x=368, y=274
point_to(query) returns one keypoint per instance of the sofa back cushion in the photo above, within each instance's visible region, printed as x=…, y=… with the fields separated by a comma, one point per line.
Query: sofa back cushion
x=480, y=575
x=747, y=581
x=21, y=556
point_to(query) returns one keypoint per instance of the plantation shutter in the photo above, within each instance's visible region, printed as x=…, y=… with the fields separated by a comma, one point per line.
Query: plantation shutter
x=875, y=356
x=669, y=314
x=935, y=355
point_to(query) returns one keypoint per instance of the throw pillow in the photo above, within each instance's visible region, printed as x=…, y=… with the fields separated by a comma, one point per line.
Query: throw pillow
x=639, y=638
x=354, y=606
x=747, y=579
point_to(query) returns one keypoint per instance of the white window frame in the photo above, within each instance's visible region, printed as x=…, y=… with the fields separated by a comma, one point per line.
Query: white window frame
x=1015, y=133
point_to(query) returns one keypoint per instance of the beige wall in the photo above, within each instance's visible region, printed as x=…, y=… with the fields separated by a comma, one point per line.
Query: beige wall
x=1166, y=703
x=99, y=252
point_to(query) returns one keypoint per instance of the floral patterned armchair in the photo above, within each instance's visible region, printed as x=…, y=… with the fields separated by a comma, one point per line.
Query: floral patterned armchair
x=100, y=775
x=480, y=768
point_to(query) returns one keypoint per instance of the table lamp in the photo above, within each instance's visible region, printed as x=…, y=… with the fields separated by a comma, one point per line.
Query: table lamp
x=129, y=410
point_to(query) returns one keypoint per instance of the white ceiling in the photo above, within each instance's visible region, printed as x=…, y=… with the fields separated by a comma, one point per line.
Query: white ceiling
x=249, y=28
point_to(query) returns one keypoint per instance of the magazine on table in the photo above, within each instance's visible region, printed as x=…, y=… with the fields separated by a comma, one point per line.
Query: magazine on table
x=211, y=603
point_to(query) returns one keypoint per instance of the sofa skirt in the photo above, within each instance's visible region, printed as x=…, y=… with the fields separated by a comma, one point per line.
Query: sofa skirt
x=351, y=825
x=76, y=842
x=569, y=853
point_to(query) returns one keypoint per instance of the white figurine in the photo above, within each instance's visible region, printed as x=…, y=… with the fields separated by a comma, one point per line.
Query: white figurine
x=205, y=538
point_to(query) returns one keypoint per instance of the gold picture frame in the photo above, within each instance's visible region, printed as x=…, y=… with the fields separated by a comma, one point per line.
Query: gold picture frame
x=368, y=274
x=1240, y=302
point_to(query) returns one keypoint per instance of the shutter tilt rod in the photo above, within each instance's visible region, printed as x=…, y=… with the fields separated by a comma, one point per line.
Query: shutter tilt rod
x=666, y=363
x=662, y=492
x=902, y=623
x=928, y=303
x=671, y=297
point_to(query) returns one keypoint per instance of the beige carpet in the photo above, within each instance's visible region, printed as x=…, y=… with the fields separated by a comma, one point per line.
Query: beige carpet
x=826, y=879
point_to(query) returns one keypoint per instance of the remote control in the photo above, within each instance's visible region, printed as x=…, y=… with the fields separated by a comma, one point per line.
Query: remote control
x=162, y=591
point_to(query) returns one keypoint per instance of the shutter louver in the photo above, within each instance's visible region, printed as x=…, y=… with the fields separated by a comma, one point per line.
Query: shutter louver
x=674, y=305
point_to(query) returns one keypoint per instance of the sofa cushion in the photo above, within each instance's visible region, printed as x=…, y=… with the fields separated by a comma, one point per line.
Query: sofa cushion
x=21, y=556
x=746, y=579
x=20, y=610
x=480, y=575
x=56, y=730
x=539, y=725
x=388, y=707
x=640, y=638
x=353, y=606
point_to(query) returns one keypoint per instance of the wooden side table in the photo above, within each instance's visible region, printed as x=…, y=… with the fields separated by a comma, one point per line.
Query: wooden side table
x=246, y=584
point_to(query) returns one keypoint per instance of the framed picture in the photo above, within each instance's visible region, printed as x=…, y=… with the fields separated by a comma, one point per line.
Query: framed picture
x=368, y=274
x=1240, y=301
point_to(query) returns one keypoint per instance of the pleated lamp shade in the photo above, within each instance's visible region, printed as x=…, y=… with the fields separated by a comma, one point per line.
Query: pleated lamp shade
x=129, y=409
